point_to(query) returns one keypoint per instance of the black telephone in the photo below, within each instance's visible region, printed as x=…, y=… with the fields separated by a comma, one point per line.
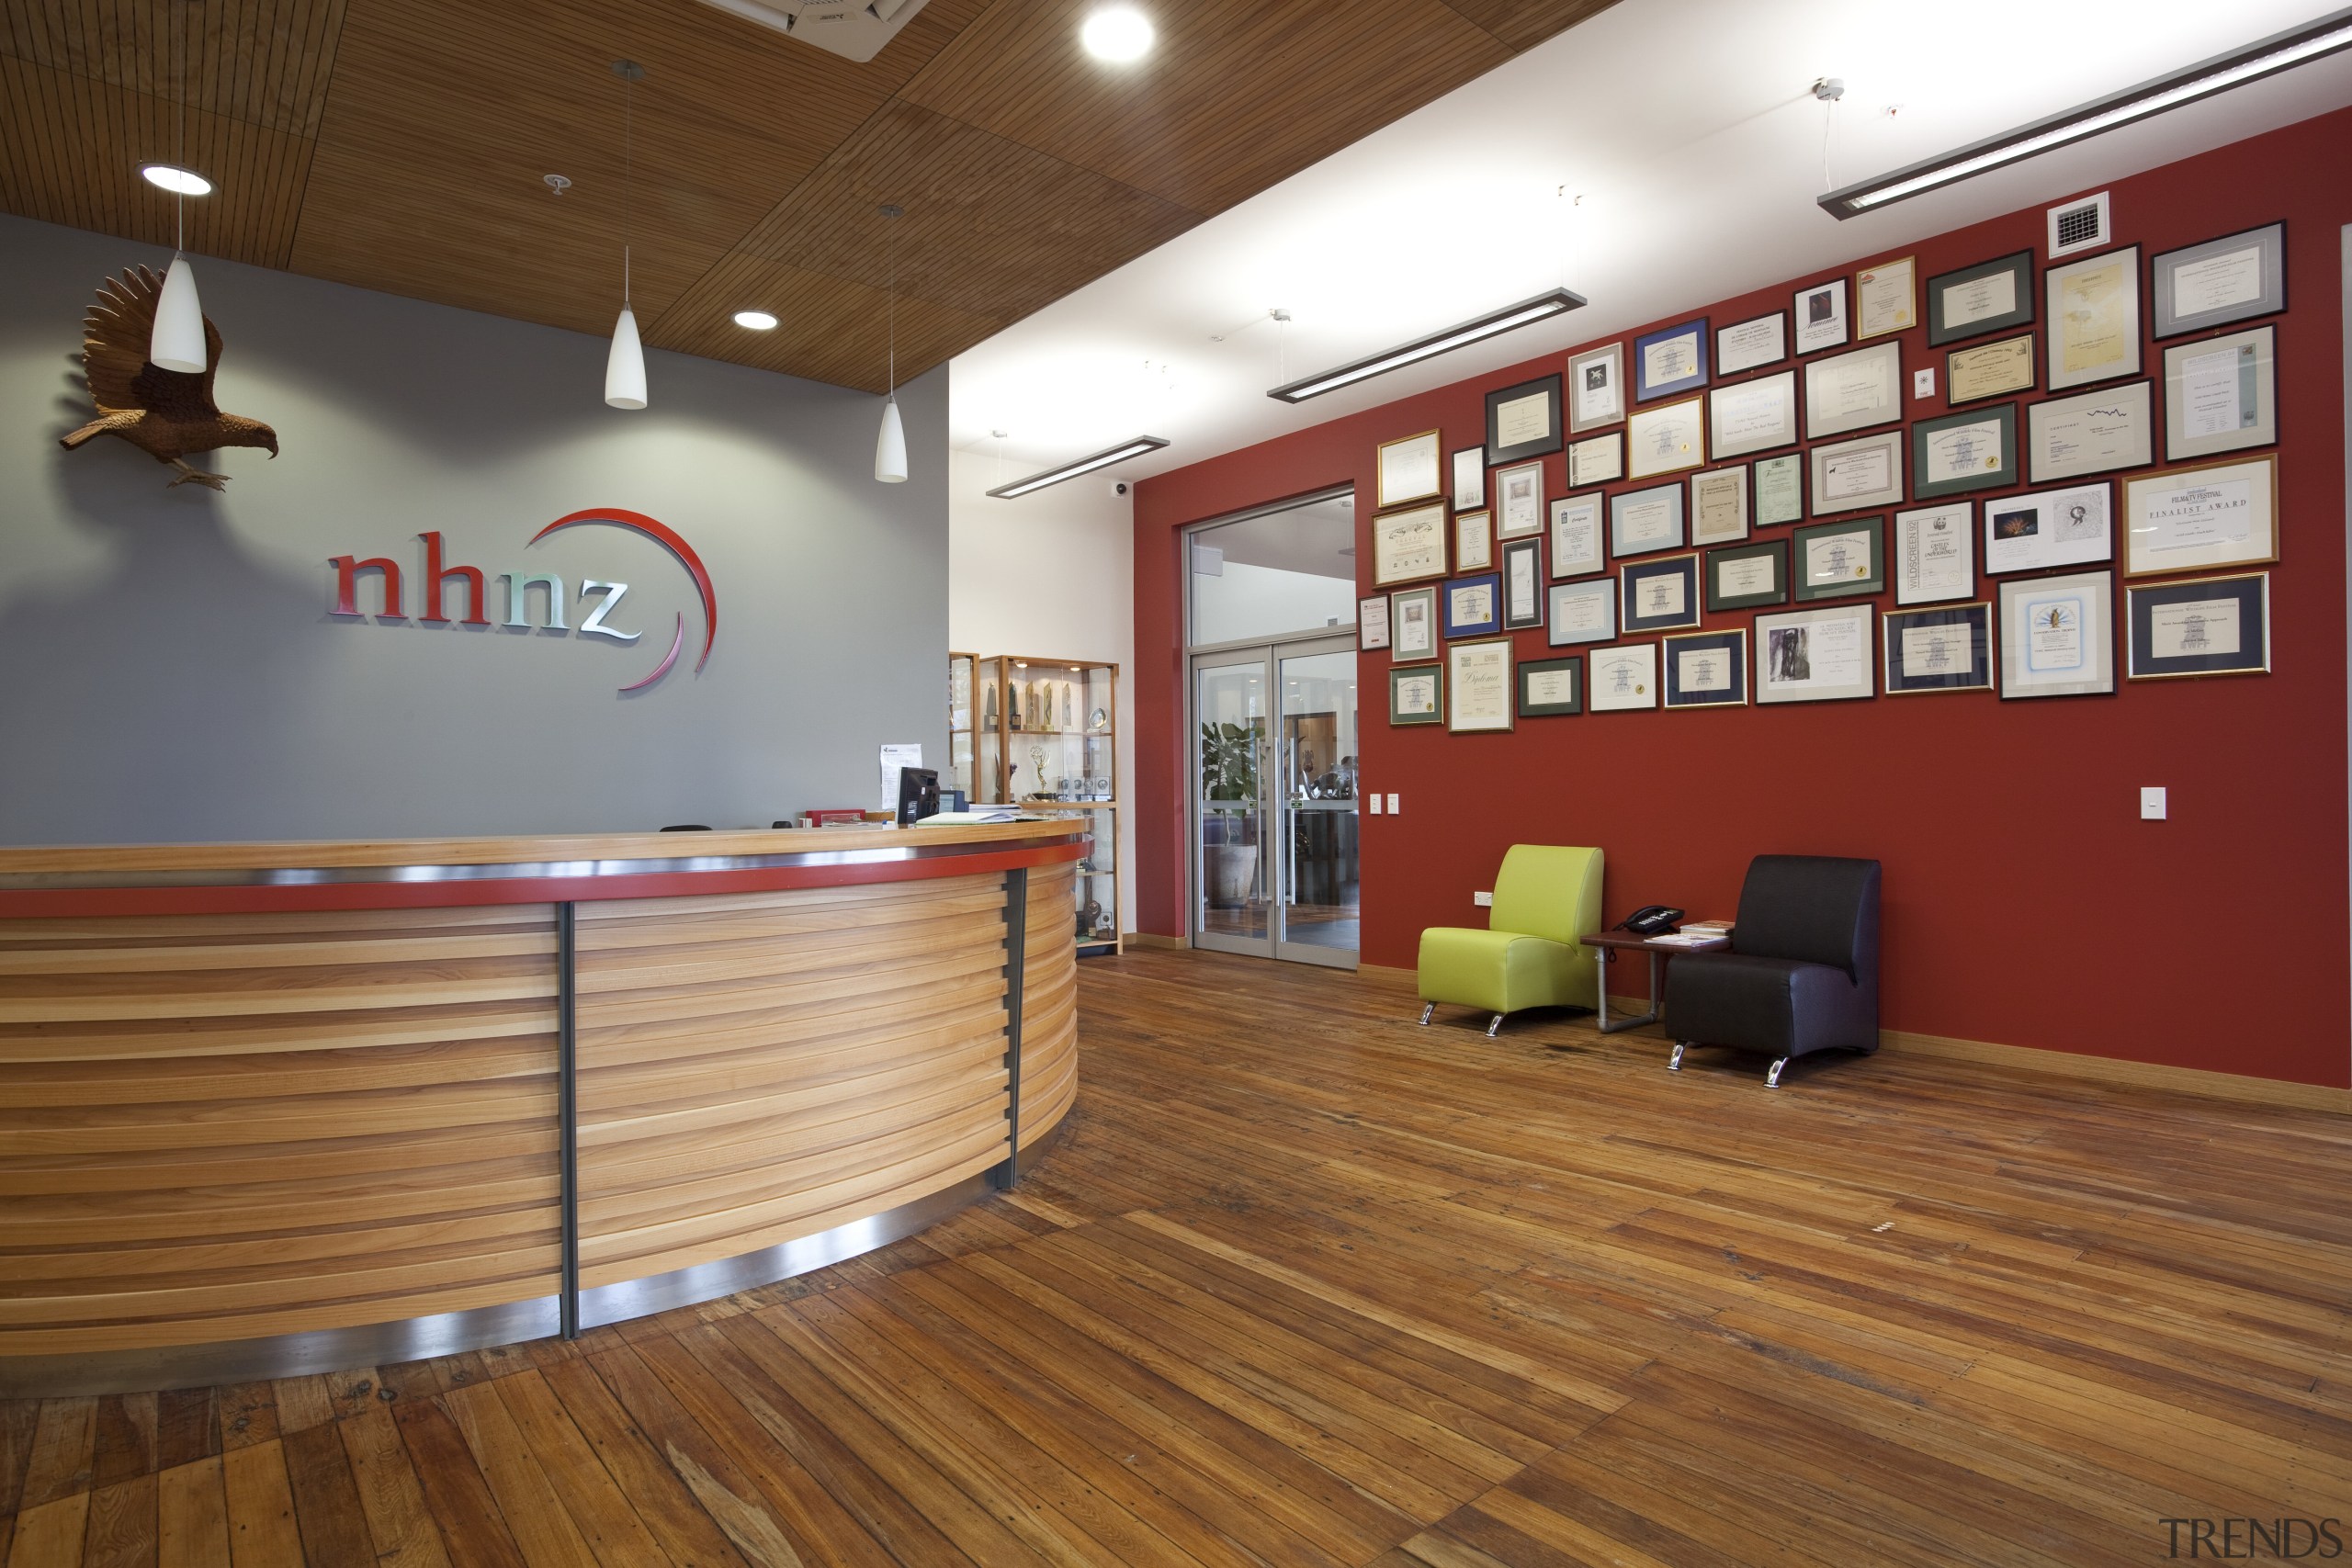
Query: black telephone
x=1651, y=919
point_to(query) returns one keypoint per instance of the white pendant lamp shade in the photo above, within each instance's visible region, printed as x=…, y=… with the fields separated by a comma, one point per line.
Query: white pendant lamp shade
x=890, y=447
x=625, y=368
x=177, y=341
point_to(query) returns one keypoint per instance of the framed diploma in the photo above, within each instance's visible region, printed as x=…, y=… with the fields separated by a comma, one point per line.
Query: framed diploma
x=2090, y=433
x=1706, y=670
x=2221, y=395
x=1987, y=298
x=2223, y=280
x=1671, y=360
x=1523, y=421
x=1940, y=650
x=1853, y=391
x=1934, y=554
x=1596, y=388
x=1658, y=595
x=1479, y=690
x=1850, y=475
x=1744, y=345
x=1815, y=655
x=1887, y=298
x=2094, y=321
x=1372, y=623
x=1407, y=469
x=1474, y=606
x=1551, y=688
x=1820, y=313
x=1971, y=375
x=1719, y=506
x=1522, y=585
x=1416, y=693
x=1519, y=500
x=2203, y=626
x=1974, y=449
x=2197, y=518
x=2058, y=637
x=1474, y=541
x=1753, y=416
x=1643, y=521
x=1598, y=460
x=1839, y=560
x=1624, y=677
x=1779, y=489
x=1469, y=478
x=1412, y=621
x=1582, y=612
x=1576, y=535
x=1409, y=546
x=1747, y=577
x=1665, y=439
x=2048, y=528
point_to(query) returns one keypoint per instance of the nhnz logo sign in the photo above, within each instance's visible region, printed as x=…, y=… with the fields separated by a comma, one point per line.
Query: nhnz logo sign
x=600, y=599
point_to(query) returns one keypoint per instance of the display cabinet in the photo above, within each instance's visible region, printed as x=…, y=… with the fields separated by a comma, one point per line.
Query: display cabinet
x=1047, y=740
x=962, y=677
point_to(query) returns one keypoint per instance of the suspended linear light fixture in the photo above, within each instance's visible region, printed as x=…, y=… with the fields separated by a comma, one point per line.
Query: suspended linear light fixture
x=176, y=341
x=624, y=366
x=1087, y=464
x=890, y=445
x=1541, y=306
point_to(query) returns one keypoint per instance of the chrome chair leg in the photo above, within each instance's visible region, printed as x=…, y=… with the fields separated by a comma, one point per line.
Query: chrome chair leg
x=1674, y=1063
x=1425, y=1014
x=1773, y=1079
x=1493, y=1025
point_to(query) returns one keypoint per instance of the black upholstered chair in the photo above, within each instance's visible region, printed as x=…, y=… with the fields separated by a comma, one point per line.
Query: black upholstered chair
x=1801, y=971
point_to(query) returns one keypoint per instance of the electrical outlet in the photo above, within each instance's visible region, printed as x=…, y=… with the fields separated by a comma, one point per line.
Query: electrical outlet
x=1375, y=803
x=2152, y=803
x=1394, y=809
x=1484, y=900
x=1923, y=383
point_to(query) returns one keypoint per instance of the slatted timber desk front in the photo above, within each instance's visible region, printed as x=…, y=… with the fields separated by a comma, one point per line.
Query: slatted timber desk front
x=280, y=1108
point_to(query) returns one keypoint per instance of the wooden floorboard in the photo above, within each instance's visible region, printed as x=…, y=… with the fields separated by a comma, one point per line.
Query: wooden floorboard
x=1306, y=1283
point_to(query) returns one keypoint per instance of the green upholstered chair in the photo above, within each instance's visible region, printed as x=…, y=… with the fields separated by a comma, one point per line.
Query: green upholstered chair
x=1545, y=898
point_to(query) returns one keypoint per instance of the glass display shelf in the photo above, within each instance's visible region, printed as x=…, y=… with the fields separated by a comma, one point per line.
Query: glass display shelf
x=1046, y=739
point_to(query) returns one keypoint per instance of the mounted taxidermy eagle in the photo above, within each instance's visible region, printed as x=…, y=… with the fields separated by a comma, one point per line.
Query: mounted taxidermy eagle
x=165, y=414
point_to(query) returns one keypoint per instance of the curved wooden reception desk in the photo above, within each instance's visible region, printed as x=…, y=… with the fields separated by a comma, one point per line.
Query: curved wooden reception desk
x=281, y=1107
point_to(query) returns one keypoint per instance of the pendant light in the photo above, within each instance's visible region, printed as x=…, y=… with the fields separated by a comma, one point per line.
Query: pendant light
x=890, y=447
x=624, y=366
x=176, y=341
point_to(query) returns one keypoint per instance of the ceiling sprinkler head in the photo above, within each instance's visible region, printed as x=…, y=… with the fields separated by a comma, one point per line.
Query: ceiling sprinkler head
x=556, y=184
x=1829, y=89
x=628, y=71
x=1278, y=313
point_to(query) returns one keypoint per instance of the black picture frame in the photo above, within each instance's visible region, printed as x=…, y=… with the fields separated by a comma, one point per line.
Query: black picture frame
x=1397, y=673
x=1633, y=575
x=1719, y=601
x=1730, y=645
x=1975, y=618
x=1532, y=548
x=1871, y=580
x=1573, y=666
x=1999, y=471
x=2019, y=265
x=2250, y=591
x=1498, y=454
x=1487, y=626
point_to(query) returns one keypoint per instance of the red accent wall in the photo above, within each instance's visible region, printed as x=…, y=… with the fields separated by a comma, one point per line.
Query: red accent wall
x=2026, y=903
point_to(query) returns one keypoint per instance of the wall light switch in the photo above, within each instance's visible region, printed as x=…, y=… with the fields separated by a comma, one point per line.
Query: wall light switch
x=2152, y=803
x=1923, y=383
x=1484, y=900
x=1394, y=810
x=1374, y=798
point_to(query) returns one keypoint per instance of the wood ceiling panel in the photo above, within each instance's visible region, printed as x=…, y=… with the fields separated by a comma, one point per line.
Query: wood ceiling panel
x=832, y=329
x=1524, y=24
x=262, y=62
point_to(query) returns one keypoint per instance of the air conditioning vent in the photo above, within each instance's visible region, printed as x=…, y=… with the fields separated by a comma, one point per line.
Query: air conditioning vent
x=2079, y=225
x=854, y=29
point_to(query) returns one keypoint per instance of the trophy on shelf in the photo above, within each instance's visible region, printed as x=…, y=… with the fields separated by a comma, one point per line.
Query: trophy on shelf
x=988, y=718
x=1069, y=711
x=1090, y=919
x=1037, y=763
x=1012, y=704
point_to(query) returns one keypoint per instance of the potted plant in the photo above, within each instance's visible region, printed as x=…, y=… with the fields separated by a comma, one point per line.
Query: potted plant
x=1230, y=821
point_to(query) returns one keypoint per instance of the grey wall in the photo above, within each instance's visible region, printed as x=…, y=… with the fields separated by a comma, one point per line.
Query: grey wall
x=169, y=669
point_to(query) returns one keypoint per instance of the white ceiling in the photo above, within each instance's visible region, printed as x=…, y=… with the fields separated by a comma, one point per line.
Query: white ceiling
x=1688, y=129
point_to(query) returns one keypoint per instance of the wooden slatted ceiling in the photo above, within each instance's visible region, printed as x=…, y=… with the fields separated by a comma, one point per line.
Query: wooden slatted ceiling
x=399, y=145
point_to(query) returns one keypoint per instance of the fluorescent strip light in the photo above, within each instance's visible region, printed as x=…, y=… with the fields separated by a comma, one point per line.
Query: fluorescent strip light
x=2280, y=52
x=1103, y=460
x=1559, y=302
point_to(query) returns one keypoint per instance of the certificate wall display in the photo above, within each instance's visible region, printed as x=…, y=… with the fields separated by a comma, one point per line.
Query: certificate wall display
x=1671, y=360
x=2058, y=637
x=1665, y=439
x=1469, y=478
x=1412, y=621
x=1853, y=391
x=1779, y=489
x=1407, y=469
x=1940, y=650
x=2197, y=518
x=1887, y=298
x=1372, y=623
x=1747, y=577
x=1583, y=612
x=1474, y=606
x=1408, y=546
x=1815, y=655
x=1753, y=416
x=1971, y=375
x=1596, y=388
x=1850, y=475
x=2220, y=281
x=2048, y=528
x=1706, y=670
x=1598, y=460
x=1934, y=554
x=1987, y=297
x=1474, y=541
x=1659, y=596
x=2221, y=395
x=1744, y=345
x=1523, y=421
x=1416, y=693
x=1522, y=585
x=1551, y=688
x=1838, y=560
x=1624, y=677
x=1519, y=500
x=2090, y=433
x=2094, y=321
x=1719, y=506
x=1480, y=693
x=1576, y=535
x=1974, y=449
x=2203, y=626
x=1821, y=316
x=1643, y=521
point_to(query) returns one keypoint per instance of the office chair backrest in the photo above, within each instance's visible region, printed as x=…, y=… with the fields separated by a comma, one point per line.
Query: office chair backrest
x=687, y=828
x=1810, y=909
x=1548, y=890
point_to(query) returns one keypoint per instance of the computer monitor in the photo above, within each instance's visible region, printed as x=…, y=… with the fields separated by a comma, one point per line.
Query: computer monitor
x=918, y=794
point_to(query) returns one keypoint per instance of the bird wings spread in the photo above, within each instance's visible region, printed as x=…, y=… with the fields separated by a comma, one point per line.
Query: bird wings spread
x=114, y=344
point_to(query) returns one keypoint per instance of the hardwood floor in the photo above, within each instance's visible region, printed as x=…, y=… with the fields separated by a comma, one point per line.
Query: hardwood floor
x=1305, y=1283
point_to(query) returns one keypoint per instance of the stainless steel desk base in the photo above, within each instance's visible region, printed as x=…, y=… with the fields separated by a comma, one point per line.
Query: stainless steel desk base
x=1639, y=1019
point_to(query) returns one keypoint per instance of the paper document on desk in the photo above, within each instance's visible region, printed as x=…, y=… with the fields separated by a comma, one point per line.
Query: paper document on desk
x=1689, y=938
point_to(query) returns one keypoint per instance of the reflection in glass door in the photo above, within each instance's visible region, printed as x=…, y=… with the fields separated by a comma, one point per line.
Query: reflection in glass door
x=1316, y=916
x=1230, y=909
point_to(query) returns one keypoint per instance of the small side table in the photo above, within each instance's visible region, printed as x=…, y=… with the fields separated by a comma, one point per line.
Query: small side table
x=1605, y=942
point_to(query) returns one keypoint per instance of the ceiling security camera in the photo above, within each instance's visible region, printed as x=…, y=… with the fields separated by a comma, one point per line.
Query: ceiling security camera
x=1119, y=486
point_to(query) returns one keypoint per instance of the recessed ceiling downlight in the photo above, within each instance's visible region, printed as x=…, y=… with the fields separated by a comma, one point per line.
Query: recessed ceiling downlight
x=1119, y=34
x=758, y=320
x=178, y=181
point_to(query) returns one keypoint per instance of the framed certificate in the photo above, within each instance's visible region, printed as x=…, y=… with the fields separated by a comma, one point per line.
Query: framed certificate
x=1853, y=391
x=1971, y=375
x=1744, y=345
x=1987, y=298
x=1480, y=693
x=1407, y=469
x=2201, y=626
x=1576, y=535
x=1815, y=655
x=1596, y=388
x=2058, y=637
x=1779, y=489
x=2221, y=395
x=1469, y=478
x=1409, y=546
x=2090, y=433
x=1887, y=298
x=1474, y=606
x=1940, y=650
x=2048, y=528
x=1522, y=585
x=1624, y=677
x=1665, y=439
x=2220, y=281
x=1551, y=688
x=2094, y=318
x=1820, y=313
x=1643, y=521
x=1753, y=416
x=1474, y=541
x=1719, y=506
x=1747, y=577
x=1416, y=693
x=1519, y=500
x=1974, y=449
x=1658, y=595
x=1523, y=421
x=1598, y=460
x=1850, y=475
x=1372, y=623
x=1671, y=360
x=1583, y=612
x=2197, y=518
x=1706, y=670
x=1839, y=560
x=1934, y=554
x=1413, y=622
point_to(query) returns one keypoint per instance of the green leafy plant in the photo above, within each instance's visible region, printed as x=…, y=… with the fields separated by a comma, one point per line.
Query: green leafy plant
x=1228, y=761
